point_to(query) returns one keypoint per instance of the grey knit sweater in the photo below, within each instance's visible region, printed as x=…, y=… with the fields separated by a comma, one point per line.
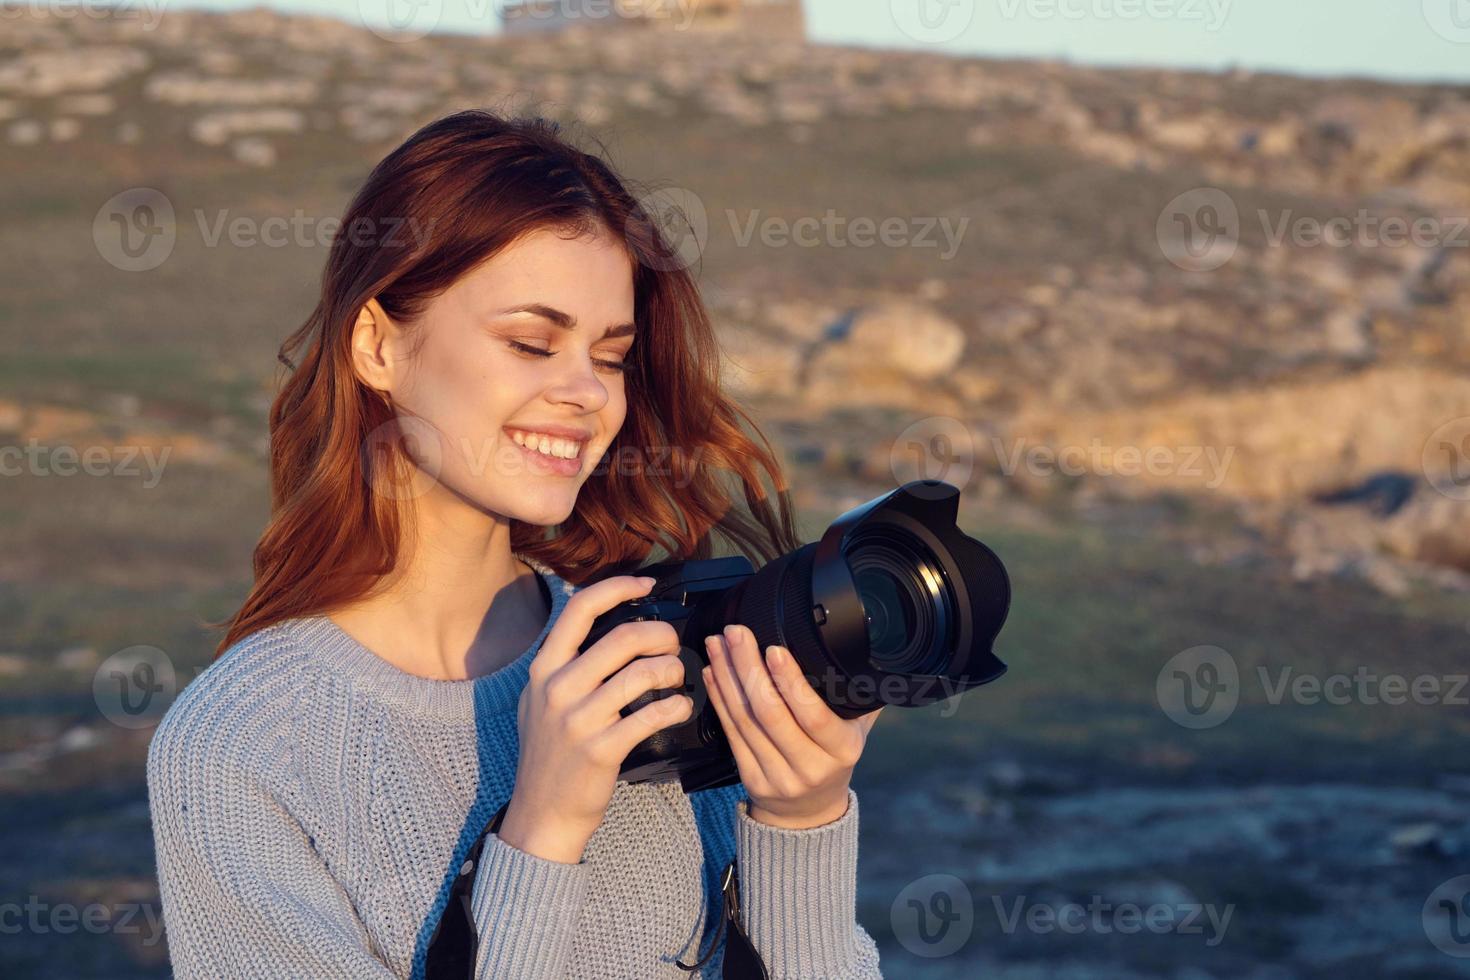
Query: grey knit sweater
x=312, y=805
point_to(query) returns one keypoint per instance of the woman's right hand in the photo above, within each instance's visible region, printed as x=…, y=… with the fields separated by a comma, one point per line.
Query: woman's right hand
x=573, y=737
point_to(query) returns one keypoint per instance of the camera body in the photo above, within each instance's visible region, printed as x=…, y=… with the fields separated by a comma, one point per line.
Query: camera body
x=692, y=596
x=893, y=606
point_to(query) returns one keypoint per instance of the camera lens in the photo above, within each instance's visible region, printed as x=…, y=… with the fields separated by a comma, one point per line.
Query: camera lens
x=893, y=605
x=907, y=608
x=887, y=611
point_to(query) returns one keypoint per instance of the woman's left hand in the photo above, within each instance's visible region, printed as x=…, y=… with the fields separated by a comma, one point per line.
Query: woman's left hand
x=794, y=753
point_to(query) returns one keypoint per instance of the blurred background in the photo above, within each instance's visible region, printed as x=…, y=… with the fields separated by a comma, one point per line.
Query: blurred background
x=1176, y=291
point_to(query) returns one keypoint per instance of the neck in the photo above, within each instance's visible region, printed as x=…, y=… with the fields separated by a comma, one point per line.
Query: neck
x=458, y=604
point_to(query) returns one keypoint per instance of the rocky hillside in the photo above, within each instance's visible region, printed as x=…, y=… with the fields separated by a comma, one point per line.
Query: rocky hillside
x=1268, y=271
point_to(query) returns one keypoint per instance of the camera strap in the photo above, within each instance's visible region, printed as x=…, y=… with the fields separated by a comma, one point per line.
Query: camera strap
x=741, y=962
x=451, y=953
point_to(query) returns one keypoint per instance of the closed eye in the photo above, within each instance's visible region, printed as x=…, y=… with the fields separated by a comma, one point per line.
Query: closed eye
x=623, y=366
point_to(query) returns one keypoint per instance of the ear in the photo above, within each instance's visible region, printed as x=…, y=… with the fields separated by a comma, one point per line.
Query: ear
x=376, y=348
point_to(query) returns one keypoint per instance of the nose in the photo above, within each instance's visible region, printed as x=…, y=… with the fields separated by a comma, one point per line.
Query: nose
x=579, y=385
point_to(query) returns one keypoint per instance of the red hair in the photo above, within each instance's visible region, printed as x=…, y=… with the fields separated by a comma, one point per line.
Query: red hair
x=457, y=192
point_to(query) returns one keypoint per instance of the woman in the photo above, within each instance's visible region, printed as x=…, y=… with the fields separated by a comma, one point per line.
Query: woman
x=495, y=319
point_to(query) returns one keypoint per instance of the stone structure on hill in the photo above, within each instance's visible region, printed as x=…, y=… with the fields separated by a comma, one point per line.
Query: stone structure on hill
x=763, y=18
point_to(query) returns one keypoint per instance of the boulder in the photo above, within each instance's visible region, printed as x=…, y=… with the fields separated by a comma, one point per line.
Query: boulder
x=908, y=337
x=758, y=362
x=889, y=354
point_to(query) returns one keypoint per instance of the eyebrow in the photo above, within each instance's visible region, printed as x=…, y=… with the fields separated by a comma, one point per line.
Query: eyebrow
x=564, y=320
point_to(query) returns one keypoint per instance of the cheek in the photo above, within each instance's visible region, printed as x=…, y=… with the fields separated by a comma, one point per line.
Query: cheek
x=467, y=390
x=615, y=412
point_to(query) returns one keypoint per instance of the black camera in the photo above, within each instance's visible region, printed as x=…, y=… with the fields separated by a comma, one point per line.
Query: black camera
x=894, y=605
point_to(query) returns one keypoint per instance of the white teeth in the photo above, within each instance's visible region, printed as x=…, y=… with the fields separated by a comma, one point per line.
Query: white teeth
x=560, y=448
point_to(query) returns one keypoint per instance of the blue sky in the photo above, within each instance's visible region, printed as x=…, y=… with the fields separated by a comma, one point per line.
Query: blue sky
x=1406, y=39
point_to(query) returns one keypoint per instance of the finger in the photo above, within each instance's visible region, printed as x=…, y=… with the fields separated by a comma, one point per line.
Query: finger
x=870, y=719
x=575, y=622
x=745, y=760
x=622, y=645
x=737, y=703
x=817, y=719
x=605, y=704
x=622, y=737
x=766, y=701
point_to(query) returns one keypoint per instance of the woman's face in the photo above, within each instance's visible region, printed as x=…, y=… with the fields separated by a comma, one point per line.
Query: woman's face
x=525, y=352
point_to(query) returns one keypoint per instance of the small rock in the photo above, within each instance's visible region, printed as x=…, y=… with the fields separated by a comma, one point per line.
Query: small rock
x=77, y=658
x=1384, y=575
x=65, y=130
x=123, y=403
x=1419, y=840
x=24, y=132
x=78, y=739
x=254, y=151
x=932, y=290
x=1350, y=335
x=972, y=800
x=1006, y=775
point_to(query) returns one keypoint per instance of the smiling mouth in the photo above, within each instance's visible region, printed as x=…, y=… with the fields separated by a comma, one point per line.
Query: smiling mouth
x=550, y=446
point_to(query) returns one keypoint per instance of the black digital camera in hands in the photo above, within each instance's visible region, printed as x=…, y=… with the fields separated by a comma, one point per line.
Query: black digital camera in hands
x=893, y=606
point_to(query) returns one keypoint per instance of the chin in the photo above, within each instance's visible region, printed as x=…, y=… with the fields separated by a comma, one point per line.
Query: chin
x=546, y=508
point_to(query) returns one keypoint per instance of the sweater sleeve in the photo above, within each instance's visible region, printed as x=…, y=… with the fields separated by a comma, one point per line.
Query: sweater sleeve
x=246, y=894
x=525, y=909
x=798, y=897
